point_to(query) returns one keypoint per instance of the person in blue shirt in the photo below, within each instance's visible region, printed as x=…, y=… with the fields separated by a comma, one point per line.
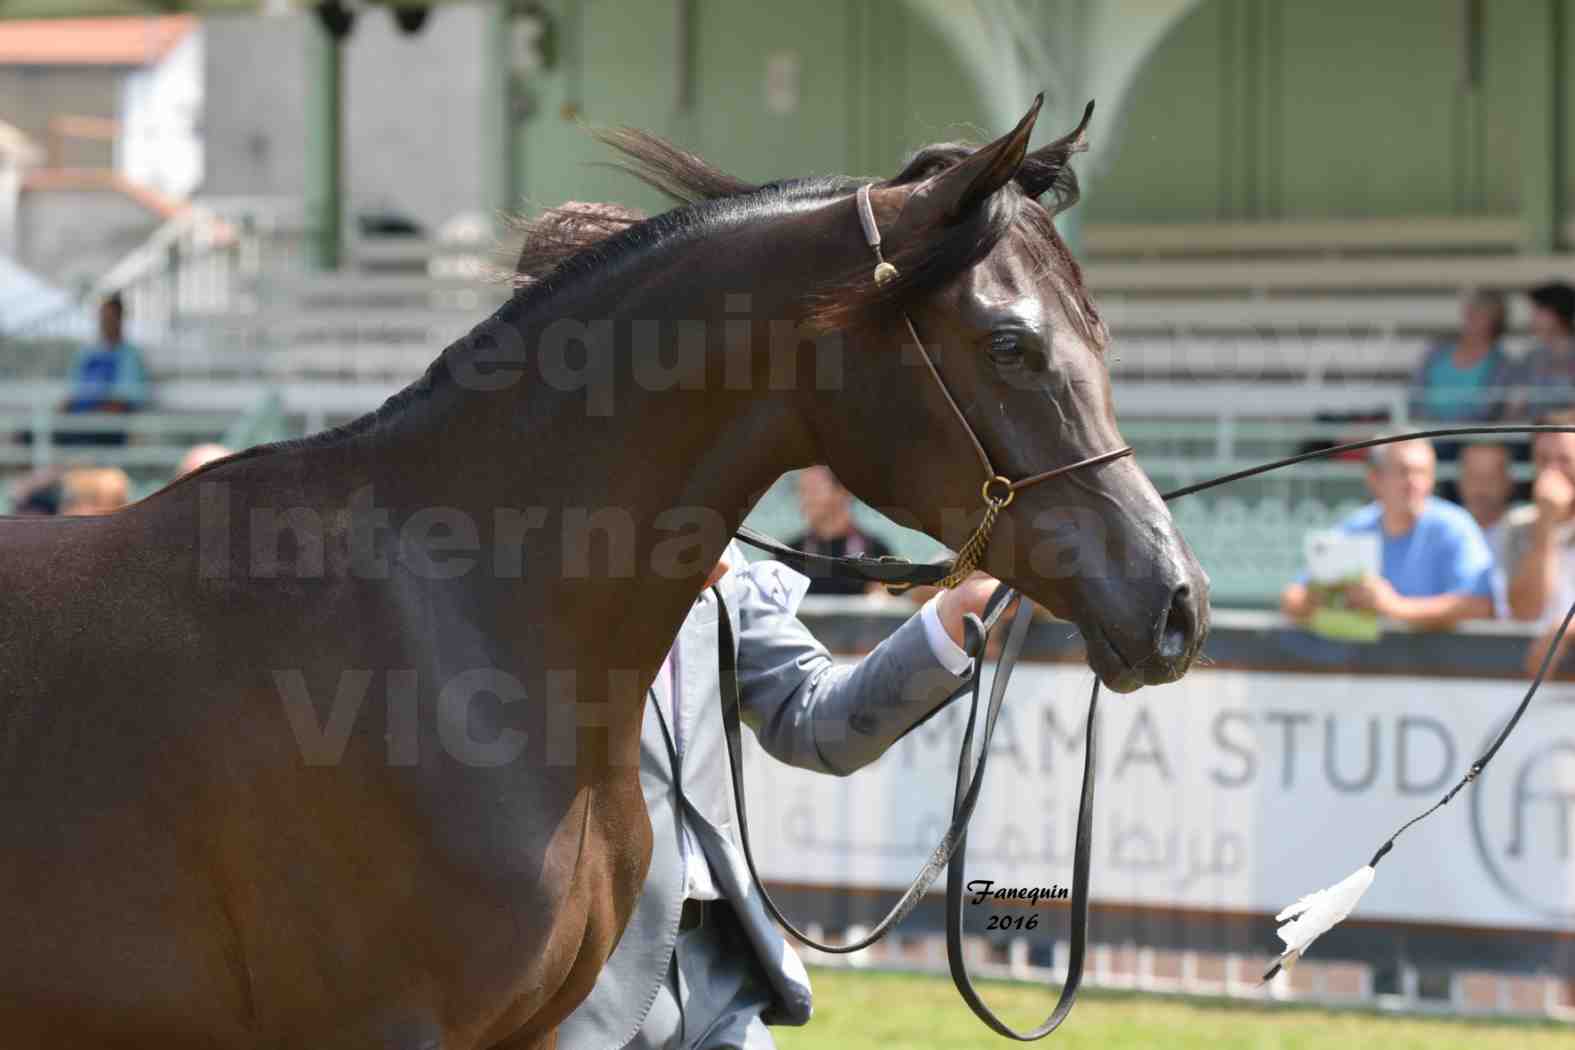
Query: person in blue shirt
x=1437, y=569
x=108, y=376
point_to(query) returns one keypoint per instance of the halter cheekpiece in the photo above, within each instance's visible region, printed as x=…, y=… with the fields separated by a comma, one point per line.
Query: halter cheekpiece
x=884, y=271
x=997, y=490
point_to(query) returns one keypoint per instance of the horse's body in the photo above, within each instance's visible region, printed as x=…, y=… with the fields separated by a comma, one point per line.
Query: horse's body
x=176, y=874
x=289, y=756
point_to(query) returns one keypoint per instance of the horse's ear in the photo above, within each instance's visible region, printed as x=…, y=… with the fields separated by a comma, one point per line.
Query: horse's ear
x=1046, y=169
x=956, y=191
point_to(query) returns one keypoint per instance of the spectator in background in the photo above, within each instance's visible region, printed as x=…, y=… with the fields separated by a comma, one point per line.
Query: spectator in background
x=1436, y=568
x=827, y=508
x=37, y=494
x=200, y=456
x=94, y=490
x=108, y=376
x=1540, y=543
x=1464, y=380
x=1539, y=546
x=1485, y=486
x=1545, y=380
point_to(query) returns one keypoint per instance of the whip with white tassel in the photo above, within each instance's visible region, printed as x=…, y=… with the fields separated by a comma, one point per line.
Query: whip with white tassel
x=1319, y=912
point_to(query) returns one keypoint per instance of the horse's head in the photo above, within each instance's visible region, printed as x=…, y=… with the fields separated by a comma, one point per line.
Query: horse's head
x=999, y=304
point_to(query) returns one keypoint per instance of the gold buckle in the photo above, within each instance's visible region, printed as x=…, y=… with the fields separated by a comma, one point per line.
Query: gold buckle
x=1003, y=500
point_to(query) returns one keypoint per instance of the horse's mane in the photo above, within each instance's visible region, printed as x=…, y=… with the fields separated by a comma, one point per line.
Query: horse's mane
x=580, y=241
x=579, y=237
x=559, y=234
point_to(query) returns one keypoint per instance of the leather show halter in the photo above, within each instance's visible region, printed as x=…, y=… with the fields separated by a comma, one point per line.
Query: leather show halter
x=951, y=851
x=997, y=490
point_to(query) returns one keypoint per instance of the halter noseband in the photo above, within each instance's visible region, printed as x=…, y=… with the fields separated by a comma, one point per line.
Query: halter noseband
x=997, y=490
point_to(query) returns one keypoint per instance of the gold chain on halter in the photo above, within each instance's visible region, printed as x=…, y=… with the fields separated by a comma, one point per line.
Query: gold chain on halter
x=971, y=552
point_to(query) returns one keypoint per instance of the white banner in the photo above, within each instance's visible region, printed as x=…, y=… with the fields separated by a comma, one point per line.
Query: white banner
x=1231, y=790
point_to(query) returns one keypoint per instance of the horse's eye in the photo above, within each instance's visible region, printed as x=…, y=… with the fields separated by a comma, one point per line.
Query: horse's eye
x=1006, y=347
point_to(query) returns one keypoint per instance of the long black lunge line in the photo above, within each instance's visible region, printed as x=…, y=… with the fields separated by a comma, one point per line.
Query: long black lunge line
x=732, y=712
x=953, y=845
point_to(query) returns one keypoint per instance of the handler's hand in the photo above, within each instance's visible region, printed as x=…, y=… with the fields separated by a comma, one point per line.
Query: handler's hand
x=969, y=596
x=716, y=574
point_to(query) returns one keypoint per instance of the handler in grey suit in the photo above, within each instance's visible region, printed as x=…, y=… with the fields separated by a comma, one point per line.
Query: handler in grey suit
x=701, y=965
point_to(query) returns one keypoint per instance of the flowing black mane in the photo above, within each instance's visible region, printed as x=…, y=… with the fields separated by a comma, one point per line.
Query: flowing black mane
x=577, y=242
x=577, y=239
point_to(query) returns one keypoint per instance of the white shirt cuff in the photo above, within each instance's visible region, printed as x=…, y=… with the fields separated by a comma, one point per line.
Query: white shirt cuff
x=947, y=652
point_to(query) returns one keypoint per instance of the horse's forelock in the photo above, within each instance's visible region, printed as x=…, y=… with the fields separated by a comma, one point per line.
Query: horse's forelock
x=1055, y=259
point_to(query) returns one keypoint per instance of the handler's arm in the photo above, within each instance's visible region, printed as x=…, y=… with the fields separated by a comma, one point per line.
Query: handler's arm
x=808, y=712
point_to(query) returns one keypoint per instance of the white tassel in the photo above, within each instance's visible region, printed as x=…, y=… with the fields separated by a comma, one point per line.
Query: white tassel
x=1316, y=914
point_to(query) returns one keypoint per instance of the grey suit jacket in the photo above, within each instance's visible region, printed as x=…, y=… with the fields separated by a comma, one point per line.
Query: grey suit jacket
x=804, y=711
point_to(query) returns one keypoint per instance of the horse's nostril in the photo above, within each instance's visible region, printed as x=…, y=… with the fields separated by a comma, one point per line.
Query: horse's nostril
x=1178, y=627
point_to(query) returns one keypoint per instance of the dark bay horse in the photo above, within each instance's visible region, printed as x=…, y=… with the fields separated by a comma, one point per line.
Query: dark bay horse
x=334, y=743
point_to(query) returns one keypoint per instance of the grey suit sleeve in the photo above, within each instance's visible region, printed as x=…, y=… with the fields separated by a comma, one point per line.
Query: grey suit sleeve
x=808, y=712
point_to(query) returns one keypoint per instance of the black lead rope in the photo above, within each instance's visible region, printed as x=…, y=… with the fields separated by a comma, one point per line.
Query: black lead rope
x=1480, y=764
x=952, y=850
x=1487, y=756
x=957, y=880
x=1357, y=446
x=962, y=811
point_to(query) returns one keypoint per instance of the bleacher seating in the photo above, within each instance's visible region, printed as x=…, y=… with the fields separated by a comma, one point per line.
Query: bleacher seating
x=381, y=319
x=1229, y=344
x=1312, y=238
x=1314, y=321
x=154, y=444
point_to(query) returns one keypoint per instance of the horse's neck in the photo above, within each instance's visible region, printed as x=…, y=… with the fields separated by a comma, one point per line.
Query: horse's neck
x=635, y=490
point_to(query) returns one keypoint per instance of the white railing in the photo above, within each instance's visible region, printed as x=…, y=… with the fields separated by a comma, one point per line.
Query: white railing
x=151, y=440
x=31, y=438
x=201, y=263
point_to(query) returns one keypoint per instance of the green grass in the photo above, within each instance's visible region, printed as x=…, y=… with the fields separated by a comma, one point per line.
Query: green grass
x=893, y=1011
